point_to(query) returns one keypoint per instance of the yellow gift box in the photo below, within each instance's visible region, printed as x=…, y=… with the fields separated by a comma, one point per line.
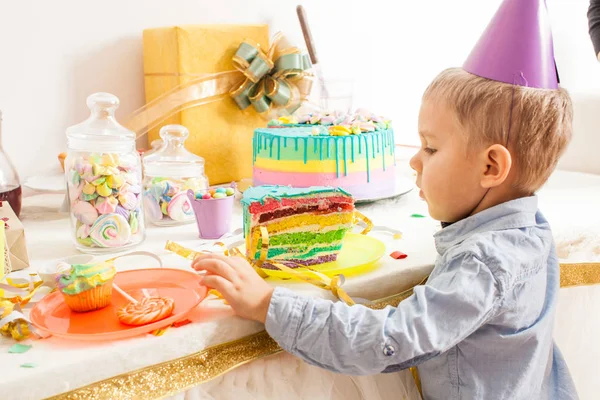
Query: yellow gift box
x=220, y=132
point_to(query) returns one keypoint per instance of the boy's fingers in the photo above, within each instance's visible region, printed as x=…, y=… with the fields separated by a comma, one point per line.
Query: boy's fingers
x=214, y=256
x=216, y=267
x=218, y=283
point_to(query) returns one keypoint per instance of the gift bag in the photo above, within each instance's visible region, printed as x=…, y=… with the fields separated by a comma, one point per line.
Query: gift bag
x=15, y=248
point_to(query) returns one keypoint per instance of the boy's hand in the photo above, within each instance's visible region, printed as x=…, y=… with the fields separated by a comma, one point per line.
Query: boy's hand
x=247, y=293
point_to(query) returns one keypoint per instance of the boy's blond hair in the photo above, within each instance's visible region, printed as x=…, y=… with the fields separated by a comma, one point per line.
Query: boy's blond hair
x=541, y=120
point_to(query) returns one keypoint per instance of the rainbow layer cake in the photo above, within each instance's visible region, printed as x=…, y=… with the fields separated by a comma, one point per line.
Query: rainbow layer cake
x=305, y=226
x=353, y=152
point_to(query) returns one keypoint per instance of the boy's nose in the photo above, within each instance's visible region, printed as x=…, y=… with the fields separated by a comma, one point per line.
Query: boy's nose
x=415, y=162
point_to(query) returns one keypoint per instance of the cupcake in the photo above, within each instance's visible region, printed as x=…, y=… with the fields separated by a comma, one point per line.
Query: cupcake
x=87, y=287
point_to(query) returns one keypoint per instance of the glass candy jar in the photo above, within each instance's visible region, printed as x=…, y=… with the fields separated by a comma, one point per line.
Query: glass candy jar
x=169, y=173
x=104, y=175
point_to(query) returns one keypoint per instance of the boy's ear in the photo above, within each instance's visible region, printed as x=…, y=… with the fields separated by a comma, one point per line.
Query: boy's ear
x=497, y=166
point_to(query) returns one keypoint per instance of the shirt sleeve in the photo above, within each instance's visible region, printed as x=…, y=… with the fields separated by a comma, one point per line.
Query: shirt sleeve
x=594, y=24
x=357, y=340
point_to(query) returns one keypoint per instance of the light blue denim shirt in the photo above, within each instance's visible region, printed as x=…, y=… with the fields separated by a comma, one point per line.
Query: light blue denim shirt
x=481, y=328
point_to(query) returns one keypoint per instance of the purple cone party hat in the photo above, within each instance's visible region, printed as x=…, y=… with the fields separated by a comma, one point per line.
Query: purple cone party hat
x=516, y=47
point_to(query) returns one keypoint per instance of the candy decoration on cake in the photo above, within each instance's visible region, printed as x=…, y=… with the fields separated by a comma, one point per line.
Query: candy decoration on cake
x=354, y=152
x=146, y=311
x=111, y=230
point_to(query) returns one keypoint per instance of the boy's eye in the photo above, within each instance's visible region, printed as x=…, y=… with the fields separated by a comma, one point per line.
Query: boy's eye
x=429, y=150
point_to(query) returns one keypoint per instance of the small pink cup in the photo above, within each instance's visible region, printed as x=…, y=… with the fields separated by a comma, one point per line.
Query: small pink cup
x=213, y=216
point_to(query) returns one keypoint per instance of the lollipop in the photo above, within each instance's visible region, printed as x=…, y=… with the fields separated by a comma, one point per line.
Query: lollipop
x=148, y=310
x=179, y=208
x=110, y=230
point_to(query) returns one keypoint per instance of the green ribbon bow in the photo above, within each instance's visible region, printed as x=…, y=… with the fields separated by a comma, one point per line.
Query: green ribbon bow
x=270, y=81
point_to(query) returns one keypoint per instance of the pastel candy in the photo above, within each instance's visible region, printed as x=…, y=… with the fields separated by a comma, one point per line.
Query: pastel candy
x=134, y=223
x=163, y=208
x=99, y=181
x=110, y=230
x=74, y=178
x=110, y=160
x=363, y=112
x=229, y=191
x=327, y=120
x=206, y=196
x=89, y=197
x=131, y=178
x=128, y=201
x=155, y=191
x=220, y=190
x=79, y=166
x=115, y=181
x=152, y=209
x=84, y=212
x=106, y=205
x=87, y=242
x=83, y=231
x=103, y=190
x=137, y=189
x=219, y=195
x=180, y=208
x=75, y=192
x=88, y=188
x=123, y=212
x=367, y=126
x=303, y=119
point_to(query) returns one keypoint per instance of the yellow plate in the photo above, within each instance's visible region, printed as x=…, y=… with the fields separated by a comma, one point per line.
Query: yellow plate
x=358, y=255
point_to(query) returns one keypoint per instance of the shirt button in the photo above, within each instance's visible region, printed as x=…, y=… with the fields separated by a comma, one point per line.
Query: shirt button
x=389, y=350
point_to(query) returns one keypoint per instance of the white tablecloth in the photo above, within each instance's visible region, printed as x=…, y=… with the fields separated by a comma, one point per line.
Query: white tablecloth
x=570, y=201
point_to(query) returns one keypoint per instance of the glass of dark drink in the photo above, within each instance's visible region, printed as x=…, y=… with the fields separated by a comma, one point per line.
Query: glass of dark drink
x=10, y=186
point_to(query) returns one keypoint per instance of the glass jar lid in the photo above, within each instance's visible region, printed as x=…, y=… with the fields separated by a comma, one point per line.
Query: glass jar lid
x=101, y=129
x=172, y=159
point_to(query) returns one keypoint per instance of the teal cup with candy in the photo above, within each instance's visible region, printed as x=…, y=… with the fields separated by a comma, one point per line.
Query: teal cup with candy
x=213, y=210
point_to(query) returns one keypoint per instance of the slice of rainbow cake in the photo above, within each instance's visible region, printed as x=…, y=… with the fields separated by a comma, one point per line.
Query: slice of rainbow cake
x=305, y=225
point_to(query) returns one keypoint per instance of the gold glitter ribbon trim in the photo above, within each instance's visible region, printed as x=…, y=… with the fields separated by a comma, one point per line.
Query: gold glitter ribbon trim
x=579, y=274
x=172, y=377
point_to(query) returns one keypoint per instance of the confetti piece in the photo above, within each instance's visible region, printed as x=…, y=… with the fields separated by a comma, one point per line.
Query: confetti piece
x=398, y=236
x=181, y=323
x=28, y=365
x=398, y=255
x=417, y=216
x=159, y=332
x=19, y=348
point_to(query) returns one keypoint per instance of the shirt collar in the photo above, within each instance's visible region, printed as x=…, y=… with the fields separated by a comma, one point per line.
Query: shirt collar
x=514, y=214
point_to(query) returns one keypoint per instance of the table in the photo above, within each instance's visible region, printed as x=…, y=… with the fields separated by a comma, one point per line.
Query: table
x=570, y=201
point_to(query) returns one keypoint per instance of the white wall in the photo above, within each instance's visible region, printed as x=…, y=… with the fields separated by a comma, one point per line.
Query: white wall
x=53, y=54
